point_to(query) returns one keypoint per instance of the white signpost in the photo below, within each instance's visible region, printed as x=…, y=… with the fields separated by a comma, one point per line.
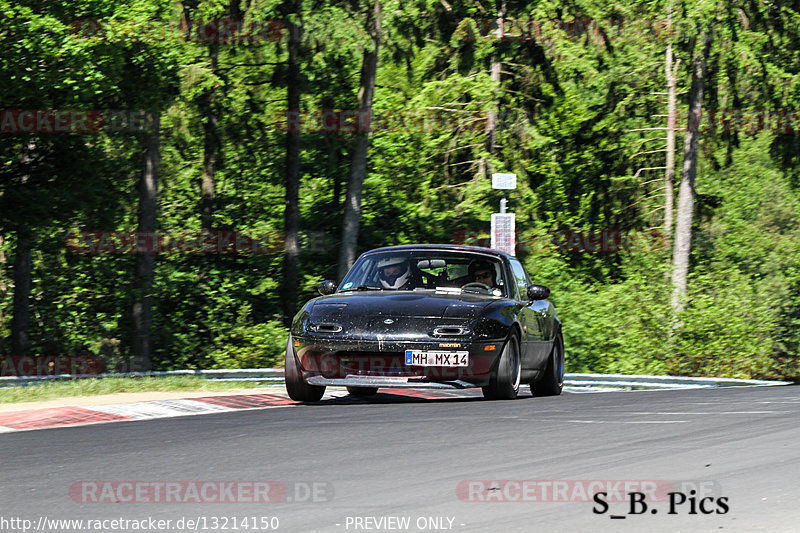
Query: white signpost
x=504, y=224
x=504, y=181
x=503, y=232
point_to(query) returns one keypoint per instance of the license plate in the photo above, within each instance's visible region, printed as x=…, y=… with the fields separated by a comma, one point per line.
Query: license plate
x=423, y=358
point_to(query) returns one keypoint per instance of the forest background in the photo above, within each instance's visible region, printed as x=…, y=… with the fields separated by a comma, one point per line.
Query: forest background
x=268, y=143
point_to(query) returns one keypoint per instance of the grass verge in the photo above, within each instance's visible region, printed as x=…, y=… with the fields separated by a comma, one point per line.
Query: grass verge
x=51, y=390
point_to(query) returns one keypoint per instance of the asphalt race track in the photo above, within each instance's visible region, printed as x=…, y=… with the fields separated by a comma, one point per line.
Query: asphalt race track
x=410, y=464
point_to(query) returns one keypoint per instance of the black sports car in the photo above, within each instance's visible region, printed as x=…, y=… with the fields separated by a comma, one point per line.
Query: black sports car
x=434, y=316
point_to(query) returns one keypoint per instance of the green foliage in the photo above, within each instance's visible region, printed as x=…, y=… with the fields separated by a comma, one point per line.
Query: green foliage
x=727, y=331
x=620, y=327
x=249, y=345
x=569, y=101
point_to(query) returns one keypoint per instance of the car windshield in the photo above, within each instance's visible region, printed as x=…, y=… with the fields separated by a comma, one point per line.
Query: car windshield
x=427, y=270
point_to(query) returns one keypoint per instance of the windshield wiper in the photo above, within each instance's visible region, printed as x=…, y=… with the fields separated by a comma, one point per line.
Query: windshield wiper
x=368, y=288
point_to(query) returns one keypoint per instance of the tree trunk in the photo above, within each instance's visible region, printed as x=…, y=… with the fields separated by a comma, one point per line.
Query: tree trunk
x=358, y=165
x=208, y=114
x=494, y=71
x=145, y=260
x=683, y=229
x=23, y=274
x=3, y=286
x=210, y=147
x=23, y=268
x=291, y=213
x=333, y=168
x=669, y=173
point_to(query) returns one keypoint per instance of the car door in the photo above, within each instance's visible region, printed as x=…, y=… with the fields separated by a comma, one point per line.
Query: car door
x=542, y=314
x=531, y=330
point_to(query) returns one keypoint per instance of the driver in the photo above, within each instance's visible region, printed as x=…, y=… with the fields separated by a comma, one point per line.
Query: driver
x=394, y=273
x=482, y=271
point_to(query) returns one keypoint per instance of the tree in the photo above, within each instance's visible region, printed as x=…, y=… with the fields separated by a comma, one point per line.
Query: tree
x=293, y=14
x=145, y=261
x=23, y=270
x=686, y=193
x=358, y=166
x=495, y=72
x=669, y=172
x=564, y=85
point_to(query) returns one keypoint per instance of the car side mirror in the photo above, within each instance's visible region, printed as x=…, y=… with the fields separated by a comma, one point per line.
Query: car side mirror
x=327, y=287
x=538, y=292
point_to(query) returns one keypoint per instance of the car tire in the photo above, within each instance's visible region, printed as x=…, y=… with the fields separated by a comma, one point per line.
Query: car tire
x=552, y=382
x=362, y=391
x=504, y=381
x=296, y=386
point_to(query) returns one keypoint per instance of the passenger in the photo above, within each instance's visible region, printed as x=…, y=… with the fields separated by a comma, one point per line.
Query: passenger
x=482, y=271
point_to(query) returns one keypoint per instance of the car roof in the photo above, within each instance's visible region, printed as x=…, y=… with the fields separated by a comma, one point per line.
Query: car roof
x=443, y=248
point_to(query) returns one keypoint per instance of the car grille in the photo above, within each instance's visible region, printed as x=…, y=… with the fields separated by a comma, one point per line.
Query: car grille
x=374, y=364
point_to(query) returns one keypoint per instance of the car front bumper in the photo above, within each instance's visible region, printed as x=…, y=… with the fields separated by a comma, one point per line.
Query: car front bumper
x=391, y=382
x=369, y=363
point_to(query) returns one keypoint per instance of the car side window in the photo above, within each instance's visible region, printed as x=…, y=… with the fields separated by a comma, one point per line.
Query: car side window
x=520, y=280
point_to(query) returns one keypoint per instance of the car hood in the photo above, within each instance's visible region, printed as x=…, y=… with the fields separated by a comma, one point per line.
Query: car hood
x=427, y=304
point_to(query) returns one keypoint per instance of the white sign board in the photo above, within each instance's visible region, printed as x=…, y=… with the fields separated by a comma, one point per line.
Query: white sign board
x=504, y=181
x=503, y=232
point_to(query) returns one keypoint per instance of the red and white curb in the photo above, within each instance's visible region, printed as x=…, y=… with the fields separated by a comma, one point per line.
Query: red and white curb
x=147, y=410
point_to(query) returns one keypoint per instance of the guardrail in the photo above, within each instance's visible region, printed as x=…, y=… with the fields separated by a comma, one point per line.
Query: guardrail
x=244, y=374
x=577, y=382
x=593, y=382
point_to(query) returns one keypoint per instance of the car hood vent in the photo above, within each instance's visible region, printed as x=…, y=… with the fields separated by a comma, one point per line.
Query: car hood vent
x=450, y=331
x=325, y=327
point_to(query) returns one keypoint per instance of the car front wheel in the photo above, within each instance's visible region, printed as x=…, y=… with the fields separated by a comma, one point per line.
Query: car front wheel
x=296, y=386
x=553, y=380
x=504, y=383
